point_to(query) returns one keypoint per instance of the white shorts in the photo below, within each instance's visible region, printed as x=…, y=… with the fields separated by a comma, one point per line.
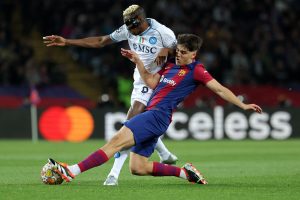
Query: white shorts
x=141, y=93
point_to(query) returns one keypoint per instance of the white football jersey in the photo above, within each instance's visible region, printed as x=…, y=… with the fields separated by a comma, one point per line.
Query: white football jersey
x=149, y=43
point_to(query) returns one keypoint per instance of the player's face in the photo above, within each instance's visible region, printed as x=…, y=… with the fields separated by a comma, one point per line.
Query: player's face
x=184, y=56
x=135, y=31
x=133, y=24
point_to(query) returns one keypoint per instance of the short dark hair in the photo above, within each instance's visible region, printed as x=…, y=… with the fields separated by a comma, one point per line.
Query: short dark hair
x=190, y=41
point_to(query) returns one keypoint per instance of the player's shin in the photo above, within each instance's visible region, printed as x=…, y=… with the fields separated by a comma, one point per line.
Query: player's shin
x=95, y=159
x=118, y=163
x=160, y=169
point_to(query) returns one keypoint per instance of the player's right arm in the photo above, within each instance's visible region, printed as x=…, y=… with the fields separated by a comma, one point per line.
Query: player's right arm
x=151, y=80
x=89, y=42
x=203, y=76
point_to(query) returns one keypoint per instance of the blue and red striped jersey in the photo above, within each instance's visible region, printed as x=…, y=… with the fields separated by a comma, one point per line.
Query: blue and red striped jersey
x=176, y=83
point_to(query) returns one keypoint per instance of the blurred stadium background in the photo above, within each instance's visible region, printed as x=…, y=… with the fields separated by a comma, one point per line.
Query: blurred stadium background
x=251, y=46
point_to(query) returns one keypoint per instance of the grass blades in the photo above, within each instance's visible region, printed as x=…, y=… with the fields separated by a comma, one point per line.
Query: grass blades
x=234, y=169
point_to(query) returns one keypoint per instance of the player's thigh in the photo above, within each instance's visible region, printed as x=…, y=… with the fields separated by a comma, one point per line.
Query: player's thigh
x=139, y=99
x=122, y=140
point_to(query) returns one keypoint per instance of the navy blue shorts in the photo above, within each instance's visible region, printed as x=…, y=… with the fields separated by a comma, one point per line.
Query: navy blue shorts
x=147, y=127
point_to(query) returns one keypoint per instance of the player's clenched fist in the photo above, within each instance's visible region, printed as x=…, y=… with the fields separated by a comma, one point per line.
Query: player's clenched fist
x=54, y=40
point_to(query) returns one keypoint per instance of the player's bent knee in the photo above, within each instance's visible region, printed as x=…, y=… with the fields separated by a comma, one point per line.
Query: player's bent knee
x=138, y=167
x=138, y=170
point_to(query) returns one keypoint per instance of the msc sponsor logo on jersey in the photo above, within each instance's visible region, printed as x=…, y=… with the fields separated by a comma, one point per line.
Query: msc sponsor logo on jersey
x=168, y=81
x=144, y=48
x=181, y=72
x=152, y=40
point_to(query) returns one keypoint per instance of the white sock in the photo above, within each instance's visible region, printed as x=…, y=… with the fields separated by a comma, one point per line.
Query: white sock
x=162, y=150
x=74, y=169
x=182, y=174
x=118, y=164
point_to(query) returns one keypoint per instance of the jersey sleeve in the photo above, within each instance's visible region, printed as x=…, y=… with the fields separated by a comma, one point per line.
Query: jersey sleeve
x=201, y=74
x=168, y=38
x=120, y=34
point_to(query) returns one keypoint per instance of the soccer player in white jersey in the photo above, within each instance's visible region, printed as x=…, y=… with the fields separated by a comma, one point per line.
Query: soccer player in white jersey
x=149, y=39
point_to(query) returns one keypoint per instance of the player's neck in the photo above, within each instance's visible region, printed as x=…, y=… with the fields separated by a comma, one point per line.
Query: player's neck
x=144, y=28
x=145, y=25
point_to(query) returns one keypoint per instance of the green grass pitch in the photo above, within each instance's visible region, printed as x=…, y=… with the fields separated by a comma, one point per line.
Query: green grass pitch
x=234, y=169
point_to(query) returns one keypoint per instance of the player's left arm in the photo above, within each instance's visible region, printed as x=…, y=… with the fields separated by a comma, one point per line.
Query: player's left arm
x=227, y=95
x=151, y=80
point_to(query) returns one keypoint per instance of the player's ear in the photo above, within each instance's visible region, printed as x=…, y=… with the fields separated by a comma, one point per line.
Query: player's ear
x=194, y=54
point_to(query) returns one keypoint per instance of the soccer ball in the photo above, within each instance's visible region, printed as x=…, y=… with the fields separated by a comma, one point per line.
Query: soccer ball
x=49, y=176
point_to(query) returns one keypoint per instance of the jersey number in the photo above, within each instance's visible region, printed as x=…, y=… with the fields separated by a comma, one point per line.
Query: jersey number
x=145, y=89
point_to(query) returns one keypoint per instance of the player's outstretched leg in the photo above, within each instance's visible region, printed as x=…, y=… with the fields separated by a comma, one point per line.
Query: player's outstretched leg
x=165, y=155
x=140, y=165
x=112, y=177
x=68, y=173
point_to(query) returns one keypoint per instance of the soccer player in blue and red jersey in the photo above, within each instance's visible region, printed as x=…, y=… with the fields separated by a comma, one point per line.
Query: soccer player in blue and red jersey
x=171, y=86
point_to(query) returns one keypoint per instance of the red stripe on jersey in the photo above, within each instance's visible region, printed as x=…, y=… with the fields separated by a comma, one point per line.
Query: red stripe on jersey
x=166, y=90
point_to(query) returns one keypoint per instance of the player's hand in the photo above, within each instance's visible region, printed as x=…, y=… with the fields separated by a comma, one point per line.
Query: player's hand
x=160, y=60
x=54, y=40
x=162, y=56
x=131, y=55
x=253, y=107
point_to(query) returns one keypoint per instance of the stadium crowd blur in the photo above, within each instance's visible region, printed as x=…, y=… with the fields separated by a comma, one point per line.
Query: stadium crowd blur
x=249, y=42
x=18, y=64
